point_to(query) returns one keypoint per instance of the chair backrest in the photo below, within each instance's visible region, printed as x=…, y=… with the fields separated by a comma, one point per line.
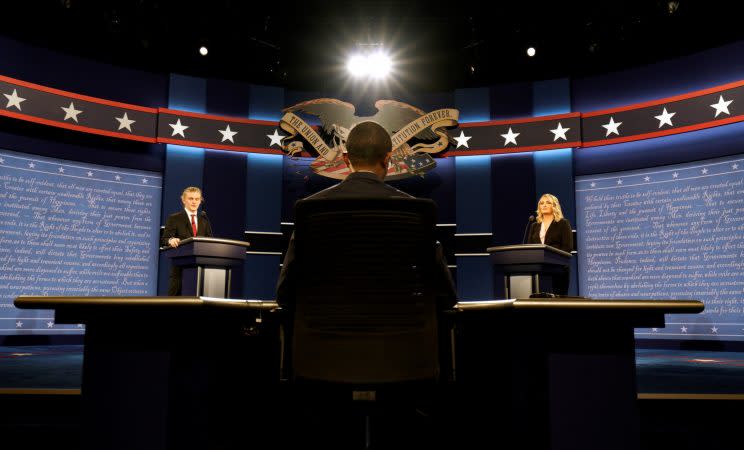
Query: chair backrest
x=365, y=308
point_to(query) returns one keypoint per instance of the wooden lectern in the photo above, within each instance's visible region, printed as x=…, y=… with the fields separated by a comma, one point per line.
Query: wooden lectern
x=206, y=265
x=525, y=265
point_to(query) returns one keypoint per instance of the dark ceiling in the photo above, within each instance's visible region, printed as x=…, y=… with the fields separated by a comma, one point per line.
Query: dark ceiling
x=437, y=45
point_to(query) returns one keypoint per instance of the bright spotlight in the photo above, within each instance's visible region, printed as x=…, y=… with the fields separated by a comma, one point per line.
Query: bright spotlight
x=373, y=65
x=203, y=50
x=531, y=52
x=357, y=65
x=379, y=65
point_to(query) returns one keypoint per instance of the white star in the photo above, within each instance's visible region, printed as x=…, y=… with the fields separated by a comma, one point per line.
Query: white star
x=733, y=166
x=684, y=329
x=721, y=106
x=50, y=324
x=654, y=330
x=19, y=324
x=14, y=100
x=117, y=178
x=144, y=180
x=675, y=175
x=71, y=112
x=2, y=161
x=714, y=330
x=462, y=140
x=704, y=171
x=593, y=184
x=90, y=174
x=178, y=128
x=61, y=170
x=665, y=118
x=559, y=132
x=510, y=136
x=619, y=181
x=227, y=134
x=125, y=122
x=612, y=126
x=31, y=165
x=80, y=325
x=276, y=138
x=646, y=178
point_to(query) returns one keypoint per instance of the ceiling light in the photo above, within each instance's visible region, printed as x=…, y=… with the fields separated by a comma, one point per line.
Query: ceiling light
x=531, y=52
x=373, y=65
x=203, y=50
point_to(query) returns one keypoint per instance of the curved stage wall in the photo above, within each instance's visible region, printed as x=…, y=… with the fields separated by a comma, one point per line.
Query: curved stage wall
x=253, y=189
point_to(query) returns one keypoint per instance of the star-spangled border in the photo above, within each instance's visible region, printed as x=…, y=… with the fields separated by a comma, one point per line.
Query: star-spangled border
x=662, y=117
x=101, y=107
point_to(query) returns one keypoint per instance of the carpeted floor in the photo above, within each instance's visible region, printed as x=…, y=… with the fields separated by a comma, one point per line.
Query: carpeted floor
x=659, y=371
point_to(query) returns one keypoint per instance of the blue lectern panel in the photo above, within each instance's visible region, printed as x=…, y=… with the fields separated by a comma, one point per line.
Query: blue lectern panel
x=71, y=228
x=672, y=232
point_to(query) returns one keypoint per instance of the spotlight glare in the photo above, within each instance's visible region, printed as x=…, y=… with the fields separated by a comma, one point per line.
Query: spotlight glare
x=357, y=65
x=531, y=52
x=379, y=65
x=375, y=65
x=203, y=50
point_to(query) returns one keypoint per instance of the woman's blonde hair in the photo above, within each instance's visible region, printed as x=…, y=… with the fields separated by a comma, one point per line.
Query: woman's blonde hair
x=557, y=211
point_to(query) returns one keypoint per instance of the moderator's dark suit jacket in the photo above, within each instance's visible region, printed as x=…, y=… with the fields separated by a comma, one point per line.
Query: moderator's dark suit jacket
x=178, y=225
x=558, y=235
x=360, y=185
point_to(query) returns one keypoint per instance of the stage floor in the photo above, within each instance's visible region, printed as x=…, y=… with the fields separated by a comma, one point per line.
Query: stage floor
x=659, y=371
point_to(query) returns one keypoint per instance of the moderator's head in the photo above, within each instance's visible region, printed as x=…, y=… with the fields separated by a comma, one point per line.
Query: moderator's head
x=368, y=145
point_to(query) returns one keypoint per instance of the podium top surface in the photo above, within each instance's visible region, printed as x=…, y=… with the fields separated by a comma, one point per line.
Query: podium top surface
x=527, y=247
x=586, y=304
x=44, y=302
x=211, y=240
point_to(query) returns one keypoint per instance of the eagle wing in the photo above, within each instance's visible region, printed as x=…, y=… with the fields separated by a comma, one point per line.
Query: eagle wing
x=329, y=110
x=394, y=115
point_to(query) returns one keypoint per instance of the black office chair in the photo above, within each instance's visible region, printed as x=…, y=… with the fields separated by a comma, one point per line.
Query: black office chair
x=366, y=325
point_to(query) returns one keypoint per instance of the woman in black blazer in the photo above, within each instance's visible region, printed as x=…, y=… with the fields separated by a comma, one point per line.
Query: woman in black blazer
x=554, y=230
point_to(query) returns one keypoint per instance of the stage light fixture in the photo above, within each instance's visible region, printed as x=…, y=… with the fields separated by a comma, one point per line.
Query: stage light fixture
x=373, y=65
x=203, y=50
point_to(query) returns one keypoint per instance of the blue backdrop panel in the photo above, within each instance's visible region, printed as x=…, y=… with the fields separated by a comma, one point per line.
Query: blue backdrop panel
x=671, y=232
x=473, y=104
x=80, y=75
x=514, y=200
x=554, y=175
x=262, y=213
x=187, y=93
x=70, y=228
x=266, y=102
x=184, y=166
x=510, y=100
x=677, y=148
x=227, y=98
x=551, y=97
x=299, y=181
x=224, y=188
x=437, y=184
x=664, y=79
x=473, y=213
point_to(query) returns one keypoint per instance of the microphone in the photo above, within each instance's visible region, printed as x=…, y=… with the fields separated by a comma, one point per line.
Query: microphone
x=529, y=224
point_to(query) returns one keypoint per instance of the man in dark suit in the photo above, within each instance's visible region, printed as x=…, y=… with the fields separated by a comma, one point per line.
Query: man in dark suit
x=368, y=155
x=184, y=224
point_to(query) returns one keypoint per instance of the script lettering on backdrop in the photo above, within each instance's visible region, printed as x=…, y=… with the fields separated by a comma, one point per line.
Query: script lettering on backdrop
x=668, y=233
x=404, y=122
x=73, y=229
